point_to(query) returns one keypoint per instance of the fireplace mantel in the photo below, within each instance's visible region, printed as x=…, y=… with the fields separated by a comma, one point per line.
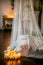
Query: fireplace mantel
x=7, y=22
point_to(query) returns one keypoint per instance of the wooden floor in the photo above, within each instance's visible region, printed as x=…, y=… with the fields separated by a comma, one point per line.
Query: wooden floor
x=5, y=37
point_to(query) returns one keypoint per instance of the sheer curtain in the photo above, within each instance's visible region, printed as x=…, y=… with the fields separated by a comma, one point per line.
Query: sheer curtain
x=25, y=27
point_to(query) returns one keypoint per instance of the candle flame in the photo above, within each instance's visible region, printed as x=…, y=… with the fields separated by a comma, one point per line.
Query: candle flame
x=10, y=15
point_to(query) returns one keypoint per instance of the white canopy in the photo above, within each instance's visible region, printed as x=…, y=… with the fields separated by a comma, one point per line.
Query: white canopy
x=25, y=28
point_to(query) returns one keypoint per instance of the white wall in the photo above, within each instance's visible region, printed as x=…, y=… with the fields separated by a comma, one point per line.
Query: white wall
x=5, y=8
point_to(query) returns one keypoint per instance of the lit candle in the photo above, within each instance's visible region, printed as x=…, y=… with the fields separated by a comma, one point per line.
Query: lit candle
x=18, y=55
x=12, y=53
